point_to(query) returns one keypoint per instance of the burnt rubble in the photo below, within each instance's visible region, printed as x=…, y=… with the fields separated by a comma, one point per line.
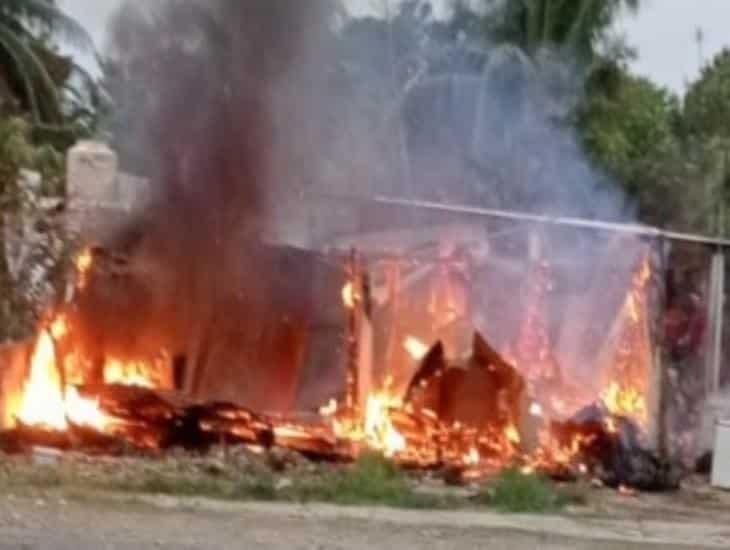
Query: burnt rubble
x=612, y=449
x=459, y=417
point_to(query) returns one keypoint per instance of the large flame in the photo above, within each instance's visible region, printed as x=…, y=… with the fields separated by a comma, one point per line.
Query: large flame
x=626, y=390
x=43, y=403
x=46, y=402
x=374, y=427
x=85, y=412
x=52, y=397
x=380, y=433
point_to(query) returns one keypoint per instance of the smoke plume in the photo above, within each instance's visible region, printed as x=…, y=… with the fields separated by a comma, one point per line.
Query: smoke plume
x=249, y=117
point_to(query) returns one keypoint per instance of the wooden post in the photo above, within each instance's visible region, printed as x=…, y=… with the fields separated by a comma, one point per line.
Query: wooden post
x=658, y=398
x=394, y=270
x=352, y=333
x=359, y=337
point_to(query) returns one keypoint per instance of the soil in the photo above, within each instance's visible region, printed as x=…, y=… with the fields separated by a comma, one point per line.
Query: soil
x=87, y=521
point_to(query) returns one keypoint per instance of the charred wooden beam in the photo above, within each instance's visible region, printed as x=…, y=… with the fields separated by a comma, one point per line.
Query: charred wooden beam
x=23, y=437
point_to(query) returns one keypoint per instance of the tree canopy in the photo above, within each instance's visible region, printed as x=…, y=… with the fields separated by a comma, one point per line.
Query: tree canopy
x=32, y=73
x=707, y=103
x=580, y=27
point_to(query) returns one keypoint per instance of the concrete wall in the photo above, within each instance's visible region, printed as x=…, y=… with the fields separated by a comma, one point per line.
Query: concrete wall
x=100, y=198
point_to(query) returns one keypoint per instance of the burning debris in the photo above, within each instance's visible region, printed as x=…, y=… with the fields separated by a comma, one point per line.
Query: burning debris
x=466, y=416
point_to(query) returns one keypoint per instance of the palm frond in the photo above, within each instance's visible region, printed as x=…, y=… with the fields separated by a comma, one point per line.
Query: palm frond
x=31, y=70
x=47, y=14
x=12, y=47
x=581, y=26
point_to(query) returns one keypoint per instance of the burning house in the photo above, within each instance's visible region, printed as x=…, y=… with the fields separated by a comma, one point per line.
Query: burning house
x=468, y=347
x=239, y=303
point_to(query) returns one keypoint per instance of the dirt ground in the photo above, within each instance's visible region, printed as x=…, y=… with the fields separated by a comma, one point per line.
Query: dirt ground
x=91, y=522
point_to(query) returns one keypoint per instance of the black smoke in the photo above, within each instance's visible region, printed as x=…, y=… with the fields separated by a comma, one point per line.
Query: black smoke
x=213, y=98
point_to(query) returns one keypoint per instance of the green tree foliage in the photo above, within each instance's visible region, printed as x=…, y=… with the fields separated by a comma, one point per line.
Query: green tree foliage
x=33, y=73
x=705, y=131
x=578, y=26
x=635, y=125
x=707, y=103
x=46, y=102
x=31, y=244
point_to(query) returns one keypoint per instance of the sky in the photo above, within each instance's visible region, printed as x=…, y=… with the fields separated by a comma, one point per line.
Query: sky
x=664, y=33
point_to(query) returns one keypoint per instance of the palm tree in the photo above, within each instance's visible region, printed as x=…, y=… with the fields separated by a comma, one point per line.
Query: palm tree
x=579, y=26
x=32, y=71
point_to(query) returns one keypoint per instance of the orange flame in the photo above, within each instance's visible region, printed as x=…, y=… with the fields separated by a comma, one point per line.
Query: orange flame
x=624, y=401
x=375, y=428
x=42, y=403
x=45, y=403
x=348, y=295
x=379, y=431
x=513, y=435
x=472, y=458
x=83, y=263
x=132, y=373
x=415, y=348
x=85, y=412
x=625, y=393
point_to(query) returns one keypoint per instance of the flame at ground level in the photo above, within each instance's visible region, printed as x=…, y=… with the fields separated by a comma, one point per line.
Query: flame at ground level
x=42, y=402
x=49, y=400
x=375, y=429
x=383, y=423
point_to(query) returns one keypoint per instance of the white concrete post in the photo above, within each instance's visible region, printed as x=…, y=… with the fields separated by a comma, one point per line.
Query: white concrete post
x=91, y=182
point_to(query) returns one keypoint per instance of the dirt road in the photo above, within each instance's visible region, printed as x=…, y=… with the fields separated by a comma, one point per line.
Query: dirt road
x=55, y=522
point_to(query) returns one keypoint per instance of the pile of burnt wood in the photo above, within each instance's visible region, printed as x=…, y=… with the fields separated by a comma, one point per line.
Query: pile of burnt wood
x=449, y=406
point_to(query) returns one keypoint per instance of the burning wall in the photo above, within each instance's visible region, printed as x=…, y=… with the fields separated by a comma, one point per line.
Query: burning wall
x=470, y=412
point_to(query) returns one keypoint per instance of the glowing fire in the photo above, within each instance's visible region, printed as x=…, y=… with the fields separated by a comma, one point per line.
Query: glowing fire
x=348, y=295
x=415, y=348
x=533, y=357
x=374, y=428
x=45, y=402
x=48, y=398
x=42, y=403
x=626, y=390
x=59, y=328
x=513, y=434
x=131, y=373
x=472, y=458
x=379, y=431
x=85, y=412
x=83, y=263
x=381, y=421
x=624, y=401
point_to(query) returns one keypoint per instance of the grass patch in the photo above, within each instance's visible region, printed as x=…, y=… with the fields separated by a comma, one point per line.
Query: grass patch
x=196, y=485
x=372, y=480
x=515, y=492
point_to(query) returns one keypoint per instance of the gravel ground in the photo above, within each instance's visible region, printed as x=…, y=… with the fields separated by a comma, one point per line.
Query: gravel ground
x=91, y=522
